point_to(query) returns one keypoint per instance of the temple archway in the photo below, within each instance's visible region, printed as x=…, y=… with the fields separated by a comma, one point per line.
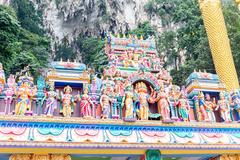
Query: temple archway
x=145, y=77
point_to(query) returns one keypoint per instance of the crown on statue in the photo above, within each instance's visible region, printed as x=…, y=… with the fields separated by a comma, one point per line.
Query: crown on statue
x=200, y=95
x=67, y=88
x=141, y=87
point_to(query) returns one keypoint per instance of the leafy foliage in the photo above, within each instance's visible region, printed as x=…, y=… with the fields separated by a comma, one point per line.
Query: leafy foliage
x=143, y=29
x=190, y=36
x=92, y=50
x=29, y=18
x=20, y=47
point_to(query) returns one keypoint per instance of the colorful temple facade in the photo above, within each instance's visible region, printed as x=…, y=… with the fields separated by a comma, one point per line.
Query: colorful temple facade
x=133, y=111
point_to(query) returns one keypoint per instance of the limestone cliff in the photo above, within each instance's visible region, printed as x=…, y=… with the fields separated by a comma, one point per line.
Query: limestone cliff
x=68, y=18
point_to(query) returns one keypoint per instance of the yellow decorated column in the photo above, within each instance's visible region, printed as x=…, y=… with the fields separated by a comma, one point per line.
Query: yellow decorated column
x=219, y=42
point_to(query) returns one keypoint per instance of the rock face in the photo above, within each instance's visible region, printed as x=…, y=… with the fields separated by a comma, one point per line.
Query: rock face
x=5, y=2
x=69, y=18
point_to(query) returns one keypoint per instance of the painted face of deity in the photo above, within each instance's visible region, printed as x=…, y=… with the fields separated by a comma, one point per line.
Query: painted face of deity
x=207, y=96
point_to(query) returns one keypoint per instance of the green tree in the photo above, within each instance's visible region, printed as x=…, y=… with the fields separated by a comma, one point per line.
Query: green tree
x=91, y=49
x=143, y=29
x=188, y=35
x=20, y=47
x=29, y=17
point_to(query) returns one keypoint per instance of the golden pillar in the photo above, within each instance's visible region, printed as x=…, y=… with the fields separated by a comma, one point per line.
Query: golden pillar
x=219, y=43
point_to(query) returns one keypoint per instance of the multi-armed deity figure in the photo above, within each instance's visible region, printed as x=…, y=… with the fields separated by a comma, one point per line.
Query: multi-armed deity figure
x=9, y=92
x=86, y=104
x=67, y=100
x=143, y=96
x=51, y=101
x=224, y=108
x=24, y=92
x=105, y=104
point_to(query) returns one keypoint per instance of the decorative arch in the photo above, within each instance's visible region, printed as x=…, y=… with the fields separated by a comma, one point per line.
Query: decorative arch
x=148, y=77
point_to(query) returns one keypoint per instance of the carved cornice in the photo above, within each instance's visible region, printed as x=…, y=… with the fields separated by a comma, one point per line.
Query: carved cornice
x=106, y=124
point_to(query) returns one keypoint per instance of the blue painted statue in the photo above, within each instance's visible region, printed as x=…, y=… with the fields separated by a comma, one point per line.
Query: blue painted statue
x=40, y=93
x=236, y=102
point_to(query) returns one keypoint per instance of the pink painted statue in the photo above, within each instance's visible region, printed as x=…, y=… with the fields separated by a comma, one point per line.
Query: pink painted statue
x=224, y=108
x=85, y=104
x=163, y=104
x=9, y=92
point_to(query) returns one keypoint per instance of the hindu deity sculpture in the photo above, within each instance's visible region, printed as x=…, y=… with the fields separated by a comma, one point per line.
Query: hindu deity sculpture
x=67, y=100
x=236, y=101
x=51, y=101
x=183, y=107
x=24, y=93
x=224, y=108
x=2, y=78
x=105, y=103
x=202, y=108
x=163, y=104
x=40, y=94
x=86, y=104
x=143, y=111
x=210, y=106
x=9, y=92
x=128, y=100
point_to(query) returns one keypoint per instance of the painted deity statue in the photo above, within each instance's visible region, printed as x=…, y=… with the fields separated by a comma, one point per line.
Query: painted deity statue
x=51, y=102
x=210, y=106
x=183, y=107
x=129, y=114
x=105, y=104
x=40, y=93
x=86, y=104
x=143, y=111
x=67, y=100
x=2, y=78
x=202, y=108
x=236, y=101
x=24, y=92
x=9, y=92
x=163, y=104
x=224, y=108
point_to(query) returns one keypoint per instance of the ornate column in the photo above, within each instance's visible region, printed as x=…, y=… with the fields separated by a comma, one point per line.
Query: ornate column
x=40, y=157
x=219, y=42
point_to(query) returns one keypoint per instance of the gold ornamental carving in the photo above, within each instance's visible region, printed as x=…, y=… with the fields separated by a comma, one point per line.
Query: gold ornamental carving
x=40, y=157
x=230, y=157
